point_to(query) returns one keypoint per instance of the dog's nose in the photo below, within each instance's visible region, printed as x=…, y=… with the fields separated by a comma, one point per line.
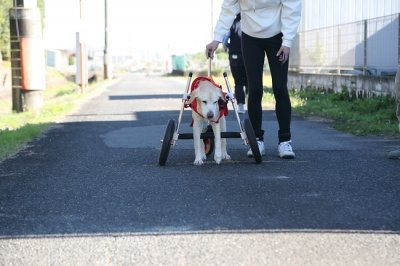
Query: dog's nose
x=210, y=115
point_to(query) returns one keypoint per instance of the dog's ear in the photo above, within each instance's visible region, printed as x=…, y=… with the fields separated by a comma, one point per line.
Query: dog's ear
x=193, y=96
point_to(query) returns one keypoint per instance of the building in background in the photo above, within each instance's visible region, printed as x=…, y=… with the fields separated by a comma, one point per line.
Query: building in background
x=58, y=59
x=326, y=13
x=348, y=37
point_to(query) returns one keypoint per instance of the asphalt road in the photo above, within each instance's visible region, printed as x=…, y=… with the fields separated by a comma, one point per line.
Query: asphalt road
x=90, y=192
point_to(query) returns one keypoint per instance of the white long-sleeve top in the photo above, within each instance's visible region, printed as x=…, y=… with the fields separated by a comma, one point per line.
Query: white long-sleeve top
x=261, y=18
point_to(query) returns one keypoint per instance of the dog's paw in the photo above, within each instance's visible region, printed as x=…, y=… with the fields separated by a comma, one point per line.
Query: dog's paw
x=198, y=162
x=218, y=159
x=226, y=156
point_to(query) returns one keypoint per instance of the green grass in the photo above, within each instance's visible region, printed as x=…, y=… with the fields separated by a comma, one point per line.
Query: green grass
x=366, y=116
x=12, y=140
x=16, y=129
x=52, y=110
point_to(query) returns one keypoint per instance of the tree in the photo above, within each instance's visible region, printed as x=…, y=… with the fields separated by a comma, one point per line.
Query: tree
x=5, y=6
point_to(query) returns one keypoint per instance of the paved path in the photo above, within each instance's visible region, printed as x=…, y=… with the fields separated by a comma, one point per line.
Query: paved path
x=90, y=192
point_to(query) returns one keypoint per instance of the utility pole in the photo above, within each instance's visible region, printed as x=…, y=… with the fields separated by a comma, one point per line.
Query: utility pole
x=27, y=56
x=106, y=55
x=365, y=47
x=81, y=75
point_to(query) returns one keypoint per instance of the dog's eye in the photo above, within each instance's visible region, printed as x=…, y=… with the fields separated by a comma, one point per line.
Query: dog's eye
x=215, y=102
x=205, y=102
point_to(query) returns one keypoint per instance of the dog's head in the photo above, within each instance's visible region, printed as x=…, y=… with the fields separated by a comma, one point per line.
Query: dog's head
x=207, y=96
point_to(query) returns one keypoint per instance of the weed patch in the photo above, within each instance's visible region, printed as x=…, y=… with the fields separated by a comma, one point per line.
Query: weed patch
x=362, y=116
x=16, y=129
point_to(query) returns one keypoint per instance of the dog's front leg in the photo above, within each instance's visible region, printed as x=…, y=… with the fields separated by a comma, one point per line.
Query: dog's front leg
x=198, y=151
x=217, y=142
x=225, y=154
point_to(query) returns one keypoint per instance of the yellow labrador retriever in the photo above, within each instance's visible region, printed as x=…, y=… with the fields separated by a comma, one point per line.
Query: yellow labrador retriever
x=205, y=102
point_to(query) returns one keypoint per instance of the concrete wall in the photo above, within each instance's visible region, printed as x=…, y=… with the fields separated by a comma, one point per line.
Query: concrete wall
x=361, y=85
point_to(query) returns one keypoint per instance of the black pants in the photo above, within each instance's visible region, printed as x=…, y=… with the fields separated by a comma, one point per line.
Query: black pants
x=254, y=51
x=239, y=76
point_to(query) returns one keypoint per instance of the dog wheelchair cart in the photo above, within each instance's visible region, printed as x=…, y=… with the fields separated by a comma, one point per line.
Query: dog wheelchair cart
x=172, y=133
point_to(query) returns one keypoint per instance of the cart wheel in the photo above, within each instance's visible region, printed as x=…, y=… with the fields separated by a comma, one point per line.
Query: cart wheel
x=208, y=143
x=251, y=138
x=166, y=144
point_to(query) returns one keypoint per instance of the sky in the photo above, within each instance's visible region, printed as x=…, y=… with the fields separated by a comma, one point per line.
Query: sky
x=134, y=27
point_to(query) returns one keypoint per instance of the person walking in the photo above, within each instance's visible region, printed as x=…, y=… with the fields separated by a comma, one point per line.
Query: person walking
x=233, y=44
x=268, y=28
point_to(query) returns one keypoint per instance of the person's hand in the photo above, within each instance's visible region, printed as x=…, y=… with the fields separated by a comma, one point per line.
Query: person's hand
x=283, y=54
x=210, y=49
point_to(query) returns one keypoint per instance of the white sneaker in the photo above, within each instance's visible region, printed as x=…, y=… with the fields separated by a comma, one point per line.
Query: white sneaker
x=285, y=150
x=241, y=108
x=261, y=147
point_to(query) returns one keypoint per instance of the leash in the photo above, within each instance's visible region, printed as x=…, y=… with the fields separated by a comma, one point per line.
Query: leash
x=209, y=65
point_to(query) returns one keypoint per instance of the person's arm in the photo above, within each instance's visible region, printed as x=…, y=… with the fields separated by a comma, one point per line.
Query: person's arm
x=290, y=18
x=229, y=9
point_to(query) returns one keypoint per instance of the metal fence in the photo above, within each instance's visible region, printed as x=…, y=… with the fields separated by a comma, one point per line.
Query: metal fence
x=369, y=47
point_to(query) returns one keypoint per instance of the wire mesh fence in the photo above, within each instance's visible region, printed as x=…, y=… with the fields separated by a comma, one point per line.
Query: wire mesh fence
x=368, y=47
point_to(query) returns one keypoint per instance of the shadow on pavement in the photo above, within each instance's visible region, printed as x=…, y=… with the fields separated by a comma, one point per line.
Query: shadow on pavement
x=144, y=97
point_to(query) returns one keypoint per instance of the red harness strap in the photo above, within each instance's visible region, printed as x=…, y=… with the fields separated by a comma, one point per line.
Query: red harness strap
x=223, y=107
